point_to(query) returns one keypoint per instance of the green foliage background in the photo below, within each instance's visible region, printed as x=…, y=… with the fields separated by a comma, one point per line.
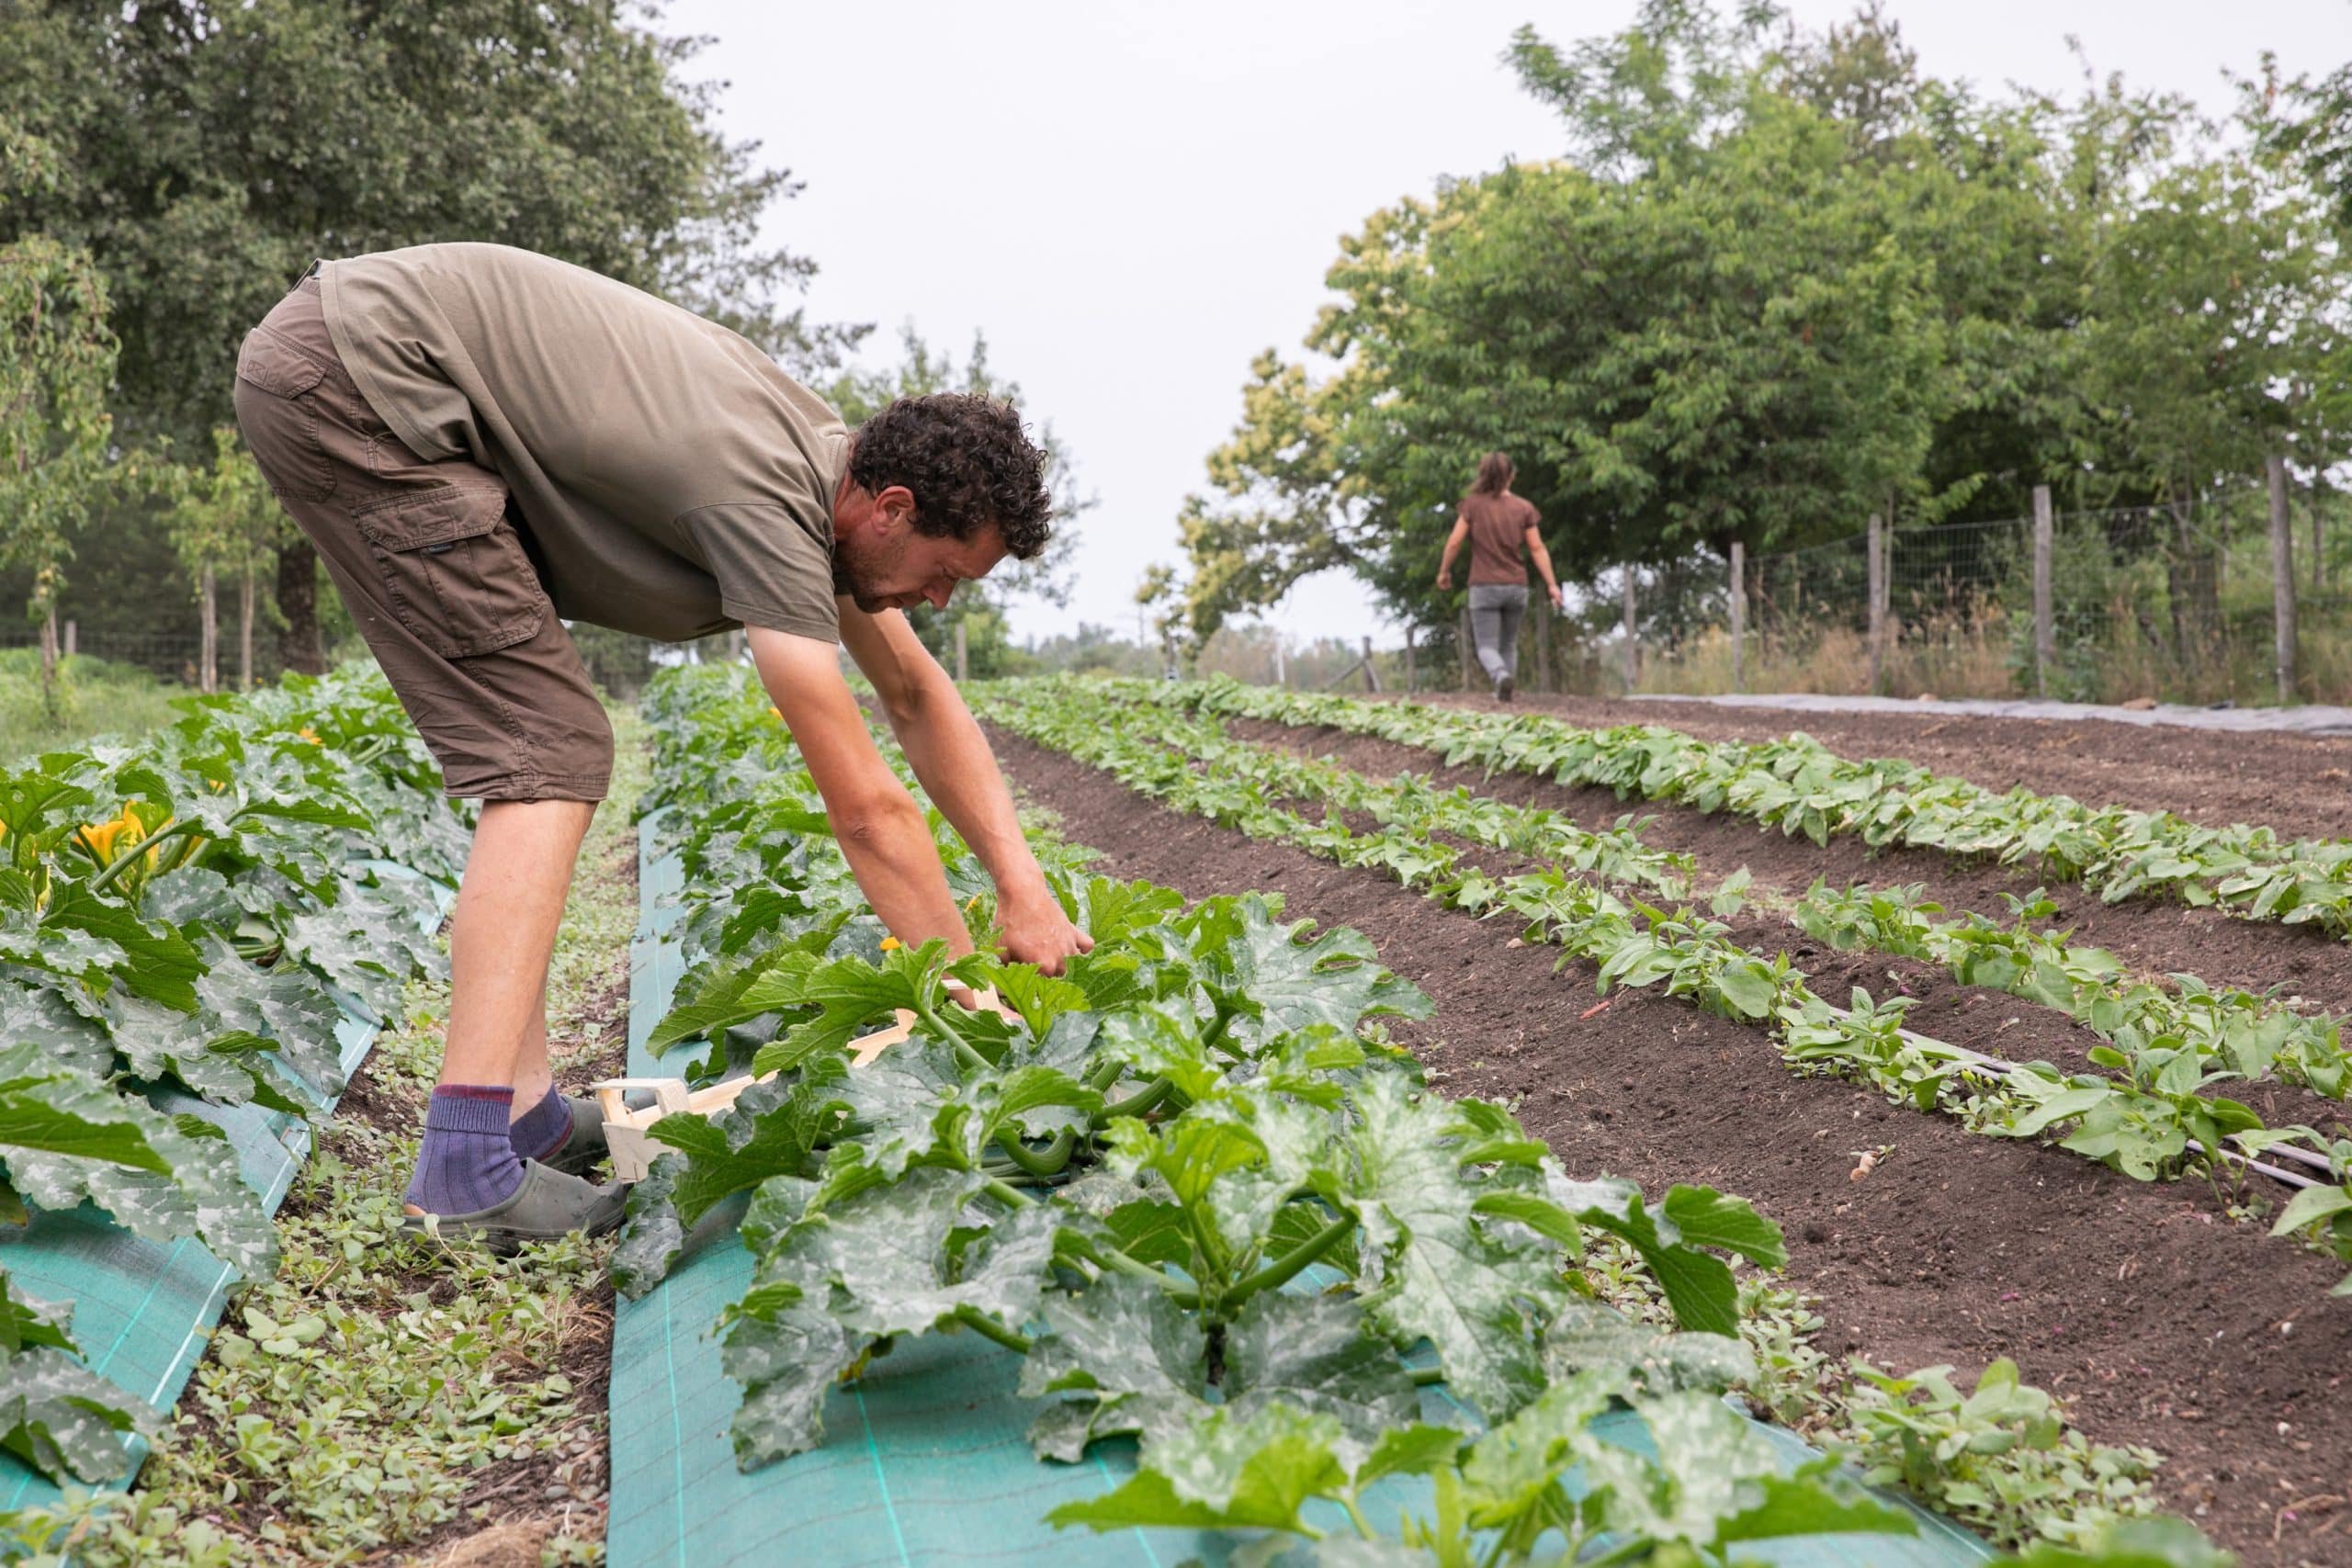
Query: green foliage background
x=1779, y=281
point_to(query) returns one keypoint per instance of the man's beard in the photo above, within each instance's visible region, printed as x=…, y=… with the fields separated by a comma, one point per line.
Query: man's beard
x=856, y=571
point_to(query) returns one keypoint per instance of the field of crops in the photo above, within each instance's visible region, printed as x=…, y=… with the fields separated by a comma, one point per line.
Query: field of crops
x=198, y=929
x=1466, y=1143
x=1861, y=996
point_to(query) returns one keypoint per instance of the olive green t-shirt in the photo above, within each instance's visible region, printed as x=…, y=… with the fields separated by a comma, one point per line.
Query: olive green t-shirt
x=670, y=479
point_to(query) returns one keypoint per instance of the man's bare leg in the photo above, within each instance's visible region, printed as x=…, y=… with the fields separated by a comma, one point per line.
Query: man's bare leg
x=502, y=937
x=532, y=1076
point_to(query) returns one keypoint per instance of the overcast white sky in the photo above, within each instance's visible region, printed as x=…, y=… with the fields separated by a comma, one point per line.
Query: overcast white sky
x=1132, y=201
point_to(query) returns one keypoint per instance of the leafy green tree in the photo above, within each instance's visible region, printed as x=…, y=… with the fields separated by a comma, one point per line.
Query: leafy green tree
x=224, y=522
x=206, y=152
x=981, y=608
x=1781, y=281
x=57, y=358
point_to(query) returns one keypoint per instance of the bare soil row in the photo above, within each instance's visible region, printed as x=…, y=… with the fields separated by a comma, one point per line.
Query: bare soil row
x=2162, y=1322
x=2299, y=783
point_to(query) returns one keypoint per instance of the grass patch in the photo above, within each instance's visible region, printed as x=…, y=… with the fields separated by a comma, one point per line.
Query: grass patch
x=384, y=1395
x=94, y=697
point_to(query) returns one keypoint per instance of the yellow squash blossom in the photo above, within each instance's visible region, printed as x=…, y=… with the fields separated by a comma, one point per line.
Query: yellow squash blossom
x=104, y=838
x=307, y=733
x=891, y=945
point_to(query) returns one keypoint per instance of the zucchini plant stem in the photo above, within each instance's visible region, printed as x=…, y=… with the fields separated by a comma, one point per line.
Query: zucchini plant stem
x=988, y=1328
x=1048, y=1161
x=963, y=1052
x=121, y=862
x=1111, y=1257
x=1283, y=1269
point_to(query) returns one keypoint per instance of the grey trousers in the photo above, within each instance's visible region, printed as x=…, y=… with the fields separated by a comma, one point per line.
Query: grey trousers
x=1495, y=610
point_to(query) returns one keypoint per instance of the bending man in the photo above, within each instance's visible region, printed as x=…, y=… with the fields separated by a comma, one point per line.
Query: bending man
x=481, y=441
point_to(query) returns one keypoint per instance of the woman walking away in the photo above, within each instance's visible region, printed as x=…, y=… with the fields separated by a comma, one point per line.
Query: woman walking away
x=1499, y=526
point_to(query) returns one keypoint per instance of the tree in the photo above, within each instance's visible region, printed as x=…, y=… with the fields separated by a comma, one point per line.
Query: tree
x=57, y=358
x=982, y=608
x=1782, y=281
x=222, y=520
x=207, y=152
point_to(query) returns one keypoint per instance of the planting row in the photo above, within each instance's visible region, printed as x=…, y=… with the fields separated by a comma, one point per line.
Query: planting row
x=182, y=925
x=2155, y=1117
x=1797, y=785
x=1116, y=1177
x=2226, y=1030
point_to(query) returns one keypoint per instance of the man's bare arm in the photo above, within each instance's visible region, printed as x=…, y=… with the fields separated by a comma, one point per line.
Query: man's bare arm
x=949, y=754
x=878, y=823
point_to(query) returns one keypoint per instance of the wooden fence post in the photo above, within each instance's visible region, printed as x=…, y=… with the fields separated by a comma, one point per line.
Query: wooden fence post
x=1282, y=676
x=1371, y=671
x=1412, y=667
x=962, y=660
x=208, y=651
x=1469, y=651
x=1738, y=616
x=1633, y=635
x=1543, y=604
x=1878, y=614
x=2282, y=578
x=72, y=635
x=2045, y=622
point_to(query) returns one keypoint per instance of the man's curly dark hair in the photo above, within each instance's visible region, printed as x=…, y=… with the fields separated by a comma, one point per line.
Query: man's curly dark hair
x=968, y=462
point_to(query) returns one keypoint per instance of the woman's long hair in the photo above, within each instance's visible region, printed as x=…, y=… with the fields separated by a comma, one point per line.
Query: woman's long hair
x=1495, y=474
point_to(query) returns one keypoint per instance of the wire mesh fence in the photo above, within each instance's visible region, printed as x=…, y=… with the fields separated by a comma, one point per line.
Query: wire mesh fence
x=2176, y=603
x=620, y=664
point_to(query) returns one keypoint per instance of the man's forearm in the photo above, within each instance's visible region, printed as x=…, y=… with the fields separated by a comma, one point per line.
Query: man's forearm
x=951, y=757
x=888, y=848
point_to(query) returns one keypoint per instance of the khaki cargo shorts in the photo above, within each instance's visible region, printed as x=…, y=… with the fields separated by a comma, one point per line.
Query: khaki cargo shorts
x=427, y=557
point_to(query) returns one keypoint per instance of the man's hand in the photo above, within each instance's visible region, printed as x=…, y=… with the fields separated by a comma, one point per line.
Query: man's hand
x=1036, y=931
x=1446, y=579
x=1553, y=590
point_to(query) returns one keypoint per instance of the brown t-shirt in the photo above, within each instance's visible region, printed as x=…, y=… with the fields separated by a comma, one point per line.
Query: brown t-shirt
x=671, y=479
x=1498, y=525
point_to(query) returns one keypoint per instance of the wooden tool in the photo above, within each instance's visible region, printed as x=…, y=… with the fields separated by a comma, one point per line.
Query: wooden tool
x=626, y=1135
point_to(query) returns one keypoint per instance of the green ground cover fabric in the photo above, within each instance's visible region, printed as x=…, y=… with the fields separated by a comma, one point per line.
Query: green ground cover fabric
x=926, y=1459
x=144, y=1310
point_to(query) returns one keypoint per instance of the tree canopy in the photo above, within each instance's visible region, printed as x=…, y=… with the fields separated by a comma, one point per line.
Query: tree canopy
x=1779, y=281
x=202, y=154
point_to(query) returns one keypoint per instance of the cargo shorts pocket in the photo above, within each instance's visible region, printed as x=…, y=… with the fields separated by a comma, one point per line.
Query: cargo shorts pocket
x=282, y=429
x=453, y=569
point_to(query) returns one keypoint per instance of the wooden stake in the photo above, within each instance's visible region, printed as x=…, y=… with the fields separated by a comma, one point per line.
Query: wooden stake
x=2282, y=580
x=1877, y=585
x=1633, y=635
x=2046, y=623
x=1738, y=616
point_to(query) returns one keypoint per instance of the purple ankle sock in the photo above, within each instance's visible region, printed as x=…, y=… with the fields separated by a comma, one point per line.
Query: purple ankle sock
x=468, y=1162
x=543, y=1128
